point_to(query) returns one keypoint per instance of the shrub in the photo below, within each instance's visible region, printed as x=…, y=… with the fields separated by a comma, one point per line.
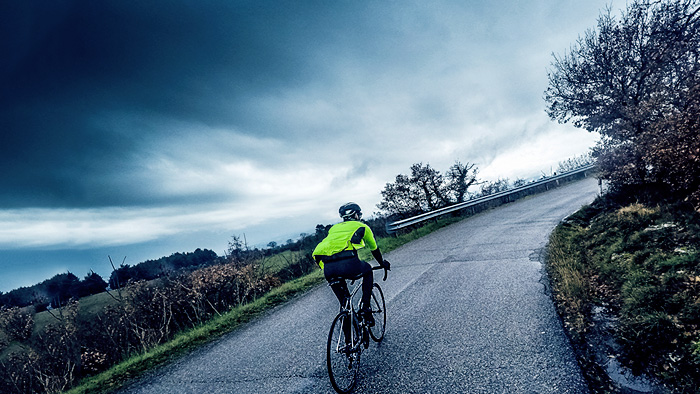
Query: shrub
x=17, y=375
x=643, y=264
x=16, y=324
x=147, y=314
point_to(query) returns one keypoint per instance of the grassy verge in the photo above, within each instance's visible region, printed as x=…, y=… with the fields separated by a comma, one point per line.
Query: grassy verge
x=641, y=266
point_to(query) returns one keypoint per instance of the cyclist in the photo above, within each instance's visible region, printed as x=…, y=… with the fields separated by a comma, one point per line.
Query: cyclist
x=337, y=256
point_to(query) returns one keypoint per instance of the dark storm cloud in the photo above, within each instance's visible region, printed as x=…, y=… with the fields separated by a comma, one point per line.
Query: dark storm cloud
x=70, y=65
x=101, y=100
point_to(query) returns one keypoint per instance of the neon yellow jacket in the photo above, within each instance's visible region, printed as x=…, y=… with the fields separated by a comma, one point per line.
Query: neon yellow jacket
x=349, y=235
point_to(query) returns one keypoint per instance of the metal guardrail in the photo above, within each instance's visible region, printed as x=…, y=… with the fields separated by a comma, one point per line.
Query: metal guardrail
x=506, y=194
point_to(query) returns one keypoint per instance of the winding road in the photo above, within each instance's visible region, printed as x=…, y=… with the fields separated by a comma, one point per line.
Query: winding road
x=468, y=312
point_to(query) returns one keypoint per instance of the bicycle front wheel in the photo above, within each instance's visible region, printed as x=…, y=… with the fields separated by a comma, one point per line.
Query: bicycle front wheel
x=342, y=355
x=378, y=312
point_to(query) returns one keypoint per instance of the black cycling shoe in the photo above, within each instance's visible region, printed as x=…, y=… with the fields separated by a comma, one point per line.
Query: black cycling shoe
x=366, y=314
x=347, y=349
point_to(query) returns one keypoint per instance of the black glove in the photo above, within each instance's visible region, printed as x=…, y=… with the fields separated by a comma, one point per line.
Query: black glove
x=386, y=265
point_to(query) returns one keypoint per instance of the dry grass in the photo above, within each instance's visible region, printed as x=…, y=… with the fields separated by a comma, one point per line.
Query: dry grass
x=643, y=270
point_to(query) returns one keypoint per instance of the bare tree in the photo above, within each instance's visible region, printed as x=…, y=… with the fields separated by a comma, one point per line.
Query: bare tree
x=625, y=74
x=237, y=248
x=627, y=78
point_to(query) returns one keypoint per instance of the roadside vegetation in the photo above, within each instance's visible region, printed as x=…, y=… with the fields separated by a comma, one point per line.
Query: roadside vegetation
x=630, y=272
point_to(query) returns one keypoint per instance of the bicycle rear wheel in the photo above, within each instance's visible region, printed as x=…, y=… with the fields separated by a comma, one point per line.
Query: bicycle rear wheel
x=378, y=312
x=342, y=360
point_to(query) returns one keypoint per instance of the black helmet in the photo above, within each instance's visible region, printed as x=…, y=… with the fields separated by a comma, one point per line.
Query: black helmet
x=347, y=211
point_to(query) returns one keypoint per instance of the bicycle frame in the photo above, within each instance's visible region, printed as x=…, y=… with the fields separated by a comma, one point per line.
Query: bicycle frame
x=349, y=334
x=357, y=327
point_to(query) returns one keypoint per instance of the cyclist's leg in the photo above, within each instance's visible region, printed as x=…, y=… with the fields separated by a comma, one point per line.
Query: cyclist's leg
x=352, y=268
x=335, y=275
x=340, y=289
x=367, y=282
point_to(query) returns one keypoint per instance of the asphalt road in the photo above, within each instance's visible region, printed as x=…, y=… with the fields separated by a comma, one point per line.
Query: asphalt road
x=468, y=312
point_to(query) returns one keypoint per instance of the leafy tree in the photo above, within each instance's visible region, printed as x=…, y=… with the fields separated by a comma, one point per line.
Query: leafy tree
x=120, y=276
x=152, y=269
x=91, y=284
x=400, y=197
x=491, y=187
x=426, y=189
x=460, y=178
x=671, y=151
x=430, y=186
x=575, y=162
x=321, y=232
x=519, y=182
x=60, y=288
x=632, y=80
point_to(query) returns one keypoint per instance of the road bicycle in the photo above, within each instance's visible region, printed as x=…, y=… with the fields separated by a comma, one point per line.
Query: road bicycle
x=349, y=336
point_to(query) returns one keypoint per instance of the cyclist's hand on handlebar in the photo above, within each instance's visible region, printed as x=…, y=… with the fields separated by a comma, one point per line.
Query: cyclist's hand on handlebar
x=386, y=265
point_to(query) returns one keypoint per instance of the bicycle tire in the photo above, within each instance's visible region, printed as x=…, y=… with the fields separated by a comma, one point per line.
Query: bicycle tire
x=343, y=367
x=379, y=313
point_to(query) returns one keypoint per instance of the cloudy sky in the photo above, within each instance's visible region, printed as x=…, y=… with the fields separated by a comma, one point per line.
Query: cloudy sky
x=139, y=129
